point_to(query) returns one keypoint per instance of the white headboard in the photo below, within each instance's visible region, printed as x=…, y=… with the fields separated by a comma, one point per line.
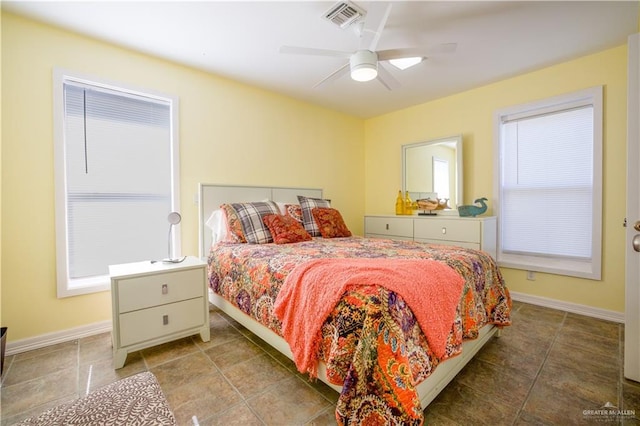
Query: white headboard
x=211, y=196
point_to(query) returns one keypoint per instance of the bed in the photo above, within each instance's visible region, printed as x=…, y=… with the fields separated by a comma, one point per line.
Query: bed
x=369, y=345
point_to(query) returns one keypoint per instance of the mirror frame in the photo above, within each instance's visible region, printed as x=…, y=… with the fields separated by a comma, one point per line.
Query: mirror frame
x=457, y=141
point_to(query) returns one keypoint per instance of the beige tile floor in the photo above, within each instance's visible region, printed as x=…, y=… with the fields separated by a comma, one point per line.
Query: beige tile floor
x=546, y=369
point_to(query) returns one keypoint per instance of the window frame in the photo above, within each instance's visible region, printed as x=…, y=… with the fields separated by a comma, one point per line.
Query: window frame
x=67, y=287
x=591, y=269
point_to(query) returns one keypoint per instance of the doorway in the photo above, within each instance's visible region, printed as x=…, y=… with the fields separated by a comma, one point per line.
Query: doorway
x=632, y=280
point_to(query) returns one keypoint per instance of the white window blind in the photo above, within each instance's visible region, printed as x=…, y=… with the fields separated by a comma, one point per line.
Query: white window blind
x=550, y=187
x=118, y=183
x=441, y=182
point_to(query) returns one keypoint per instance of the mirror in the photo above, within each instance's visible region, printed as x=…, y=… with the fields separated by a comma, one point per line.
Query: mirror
x=433, y=169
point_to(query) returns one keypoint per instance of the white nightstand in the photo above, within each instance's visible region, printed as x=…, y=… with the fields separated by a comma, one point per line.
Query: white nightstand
x=154, y=303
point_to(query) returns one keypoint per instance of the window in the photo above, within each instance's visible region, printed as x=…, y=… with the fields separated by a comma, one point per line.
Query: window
x=441, y=174
x=549, y=185
x=116, y=161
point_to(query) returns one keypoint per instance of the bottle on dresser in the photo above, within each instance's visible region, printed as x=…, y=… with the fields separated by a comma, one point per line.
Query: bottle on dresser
x=399, y=204
x=408, y=205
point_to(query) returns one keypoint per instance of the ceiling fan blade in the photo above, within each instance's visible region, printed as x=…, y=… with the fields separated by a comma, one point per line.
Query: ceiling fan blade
x=334, y=75
x=385, y=55
x=295, y=50
x=441, y=48
x=385, y=77
x=374, y=23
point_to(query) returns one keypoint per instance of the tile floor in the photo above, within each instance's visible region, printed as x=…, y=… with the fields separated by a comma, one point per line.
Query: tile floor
x=549, y=368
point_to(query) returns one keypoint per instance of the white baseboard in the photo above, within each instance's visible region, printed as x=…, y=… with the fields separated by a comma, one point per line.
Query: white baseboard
x=569, y=307
x=56, y=337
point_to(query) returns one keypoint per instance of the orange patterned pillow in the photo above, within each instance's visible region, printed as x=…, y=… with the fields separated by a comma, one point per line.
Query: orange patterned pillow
x=234, y=226
x=285, y=229
x=330, y=222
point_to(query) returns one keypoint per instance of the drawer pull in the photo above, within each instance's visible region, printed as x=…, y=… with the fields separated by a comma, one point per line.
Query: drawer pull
x=165, y=288
x=387, y=226
x=444, y=230
x=165, y=319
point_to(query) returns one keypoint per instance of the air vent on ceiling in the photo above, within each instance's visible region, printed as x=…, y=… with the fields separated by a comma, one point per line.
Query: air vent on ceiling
x=344, y=13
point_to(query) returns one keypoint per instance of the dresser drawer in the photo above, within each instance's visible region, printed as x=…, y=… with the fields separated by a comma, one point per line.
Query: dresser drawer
x=158, y=289
x=147, y=324
x=455, y=230
x=465, y=244
x=388, y=226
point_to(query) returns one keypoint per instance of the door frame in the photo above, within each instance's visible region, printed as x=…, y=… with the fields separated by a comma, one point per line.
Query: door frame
x=632, y=268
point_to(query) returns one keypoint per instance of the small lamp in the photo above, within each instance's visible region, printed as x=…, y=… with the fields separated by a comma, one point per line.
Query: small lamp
x=174, y=218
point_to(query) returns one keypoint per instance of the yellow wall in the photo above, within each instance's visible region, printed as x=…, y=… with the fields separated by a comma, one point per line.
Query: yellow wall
x=471, y=113
x=229, y=133
x=237, y=134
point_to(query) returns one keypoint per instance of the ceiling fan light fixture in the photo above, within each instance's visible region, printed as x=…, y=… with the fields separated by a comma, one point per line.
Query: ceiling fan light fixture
x=404, y=63
x=364, y=72
x=364, y=65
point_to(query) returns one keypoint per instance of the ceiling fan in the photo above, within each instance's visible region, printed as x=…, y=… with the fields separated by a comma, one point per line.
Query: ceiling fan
x=365, y=63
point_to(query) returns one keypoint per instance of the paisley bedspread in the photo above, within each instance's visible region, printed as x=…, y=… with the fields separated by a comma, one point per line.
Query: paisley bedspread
x=371, y=343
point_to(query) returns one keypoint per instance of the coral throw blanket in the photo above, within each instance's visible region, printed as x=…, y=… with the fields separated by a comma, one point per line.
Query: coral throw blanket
x=311, y=290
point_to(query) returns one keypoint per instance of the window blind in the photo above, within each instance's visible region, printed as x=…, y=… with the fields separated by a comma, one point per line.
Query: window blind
x=547, y=184
x=118, y=172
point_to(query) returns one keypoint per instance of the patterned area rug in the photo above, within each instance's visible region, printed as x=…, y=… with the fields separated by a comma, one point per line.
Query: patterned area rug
x=136, y=400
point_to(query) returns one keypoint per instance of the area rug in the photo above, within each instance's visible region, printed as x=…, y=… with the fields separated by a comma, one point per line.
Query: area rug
x=135, y=400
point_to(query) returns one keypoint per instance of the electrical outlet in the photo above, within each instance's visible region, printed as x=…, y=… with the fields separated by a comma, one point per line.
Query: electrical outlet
x=531, y=275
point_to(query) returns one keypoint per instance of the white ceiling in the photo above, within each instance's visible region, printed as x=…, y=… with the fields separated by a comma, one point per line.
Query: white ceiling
x=241, y=40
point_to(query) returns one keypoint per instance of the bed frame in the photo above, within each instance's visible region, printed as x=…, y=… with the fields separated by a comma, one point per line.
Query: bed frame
x=210, y=198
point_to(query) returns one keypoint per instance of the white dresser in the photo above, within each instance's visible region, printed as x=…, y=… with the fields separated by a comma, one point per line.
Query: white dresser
x=478, y=233
x=154, y=303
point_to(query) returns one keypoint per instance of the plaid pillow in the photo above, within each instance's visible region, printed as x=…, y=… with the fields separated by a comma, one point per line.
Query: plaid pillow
x=308, y=204
x=250, y=215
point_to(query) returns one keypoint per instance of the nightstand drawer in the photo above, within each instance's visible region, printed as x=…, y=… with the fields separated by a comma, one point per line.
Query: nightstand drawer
x=448, y=229
x=152, y=290
x=389, y=226
x=147, y=324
